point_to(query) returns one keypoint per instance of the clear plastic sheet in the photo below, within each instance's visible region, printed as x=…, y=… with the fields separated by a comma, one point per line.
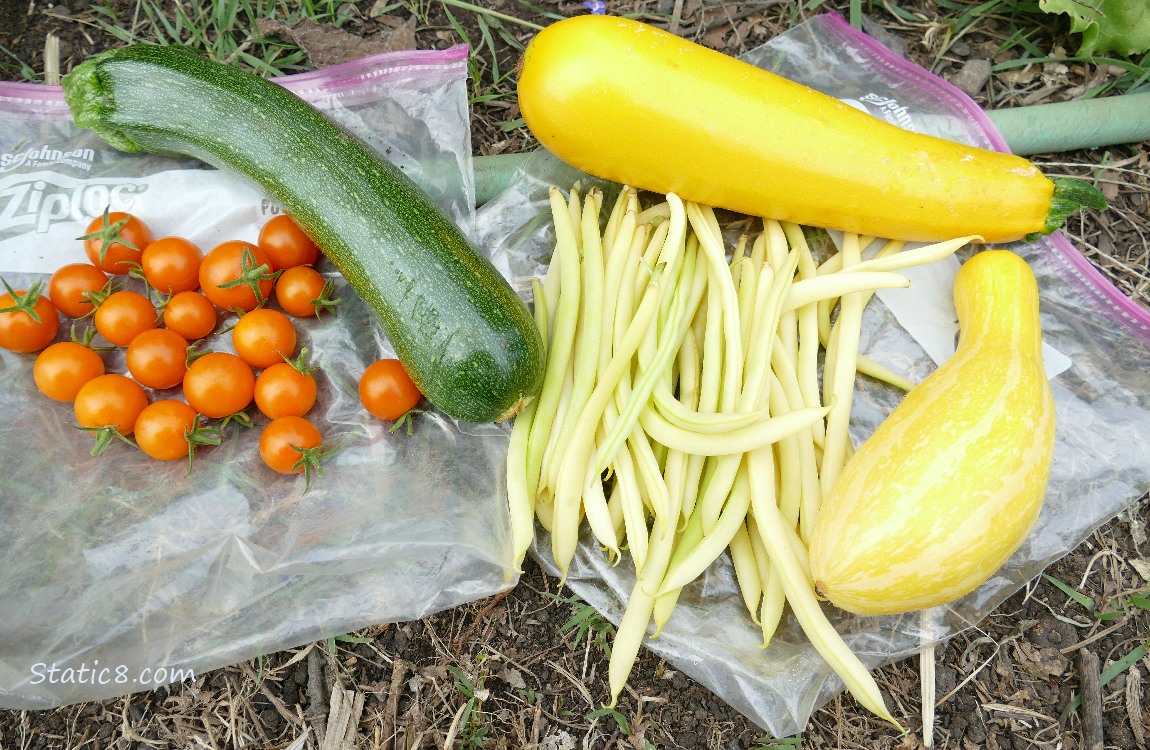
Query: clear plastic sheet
x=1102, y=458
x=122, y=573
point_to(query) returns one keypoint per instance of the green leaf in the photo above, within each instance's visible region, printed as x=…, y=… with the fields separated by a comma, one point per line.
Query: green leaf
x=1121, y=26
x=1087, y=602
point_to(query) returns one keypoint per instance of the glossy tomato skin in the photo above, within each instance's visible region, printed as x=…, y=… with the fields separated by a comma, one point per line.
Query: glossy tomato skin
x=162, y=429
x=219, y=384
x=157, y=358
x=19, y=331
x=172, y=264
x=226, y=263
x=110, y=400
x=264, y=337
x=286, y=244
x=297, y=289
x=281, y=437
x=62, y=369
x=117, y=258
x=284, y=391
x=124, y=315
x=69, y=284
x=191, y=314
x=386, y=390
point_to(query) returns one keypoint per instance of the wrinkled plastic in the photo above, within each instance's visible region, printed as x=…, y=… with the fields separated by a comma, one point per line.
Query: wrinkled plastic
x=122, y=573
x=1100, y=338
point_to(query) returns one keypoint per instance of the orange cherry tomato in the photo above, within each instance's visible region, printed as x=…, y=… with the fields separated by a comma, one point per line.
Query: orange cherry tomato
x=191, y=314
x=28, y=319
x=219, y=384
x=115, y=241
x=69, y=285
x=158, y=358
x=232, y=272
x=62, y=369
x=285, y=390
x=386, y=390
x=302, y=291
x=264, y=337
x=110, y=400
x=285, y=444
x=166, y=429
x=286, y=244
x=172, y=264
x=124, y=315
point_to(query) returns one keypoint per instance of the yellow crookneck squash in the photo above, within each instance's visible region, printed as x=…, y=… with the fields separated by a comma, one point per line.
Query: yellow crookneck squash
x=951, y=482
x=628, y=102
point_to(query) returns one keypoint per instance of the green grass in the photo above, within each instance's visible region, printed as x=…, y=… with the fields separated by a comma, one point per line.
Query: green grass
x=472, y=724
x=586, y=624
x=26, y=71
x=225, y=31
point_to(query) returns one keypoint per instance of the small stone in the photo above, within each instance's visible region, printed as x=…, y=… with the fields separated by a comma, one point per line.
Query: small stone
x=972, y=76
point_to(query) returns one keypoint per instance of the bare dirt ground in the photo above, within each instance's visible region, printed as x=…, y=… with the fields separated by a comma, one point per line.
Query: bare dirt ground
x=506, y=672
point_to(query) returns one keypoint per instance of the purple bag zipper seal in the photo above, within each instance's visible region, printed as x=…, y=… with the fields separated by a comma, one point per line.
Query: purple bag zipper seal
x=1063, y=256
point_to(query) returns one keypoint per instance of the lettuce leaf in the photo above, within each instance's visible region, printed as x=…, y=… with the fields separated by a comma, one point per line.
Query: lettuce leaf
x=1121, y=26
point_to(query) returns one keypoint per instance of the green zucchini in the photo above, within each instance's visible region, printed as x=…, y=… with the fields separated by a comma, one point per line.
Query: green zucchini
x=466, y=338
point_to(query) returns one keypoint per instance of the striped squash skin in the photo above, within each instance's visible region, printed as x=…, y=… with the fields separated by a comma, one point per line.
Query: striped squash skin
x=951, y=482
x=467, y=340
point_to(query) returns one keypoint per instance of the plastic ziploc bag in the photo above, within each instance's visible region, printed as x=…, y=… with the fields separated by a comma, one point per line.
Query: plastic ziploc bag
x=1098, y=355
x=122, y=573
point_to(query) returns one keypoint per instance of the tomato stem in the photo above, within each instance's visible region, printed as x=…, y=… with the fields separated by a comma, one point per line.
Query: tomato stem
x=26, y=302
x=240, y=417
x=104, y=436
x=251, y=275
x=136, y=271
x=311, y=460
x=97, y=296
x=300, y=364
x=325, y=301
x=85, y=339
x=201, y=434
x=109, y=234
x=407, y=419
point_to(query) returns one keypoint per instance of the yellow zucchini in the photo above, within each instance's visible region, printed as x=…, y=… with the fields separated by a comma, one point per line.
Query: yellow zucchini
x=951, y=482
x=627, y=102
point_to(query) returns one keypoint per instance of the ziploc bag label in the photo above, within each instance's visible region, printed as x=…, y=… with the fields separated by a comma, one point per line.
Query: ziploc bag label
x=55, y=209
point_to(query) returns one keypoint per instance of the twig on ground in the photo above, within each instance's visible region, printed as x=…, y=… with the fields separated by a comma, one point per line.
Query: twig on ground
x=316, y=695
x=1092, y=721
x=342, y=726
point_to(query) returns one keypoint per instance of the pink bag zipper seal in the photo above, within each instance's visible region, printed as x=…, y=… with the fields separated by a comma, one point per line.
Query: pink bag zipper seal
x=1075, y=269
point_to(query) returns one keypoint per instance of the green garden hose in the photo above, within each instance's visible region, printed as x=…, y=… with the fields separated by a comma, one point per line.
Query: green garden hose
x=1038, y=129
